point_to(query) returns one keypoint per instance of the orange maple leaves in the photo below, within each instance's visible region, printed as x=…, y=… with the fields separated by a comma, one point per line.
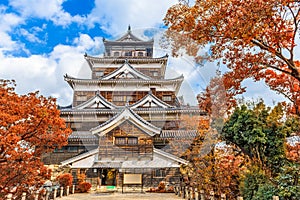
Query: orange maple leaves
x=293, y=152
x=30, y=125
x=249, y=37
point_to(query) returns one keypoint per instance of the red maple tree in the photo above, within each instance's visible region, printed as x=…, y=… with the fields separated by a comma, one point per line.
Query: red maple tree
x=293, y=152
x=253, y=38
x=30, y=125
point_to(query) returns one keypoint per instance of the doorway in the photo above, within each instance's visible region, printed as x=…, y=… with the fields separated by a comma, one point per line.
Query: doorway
x=108, y=177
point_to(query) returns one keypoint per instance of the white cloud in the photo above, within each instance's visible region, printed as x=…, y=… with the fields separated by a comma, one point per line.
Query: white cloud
x=45, y=72
x=259, y=90
x=45, y=9
x=7, y=23
x=31, y=73
x=40, y=9
x=115, y=15
x=29, y=36
x=63, y=18
x=9, y=20
x=6, y=43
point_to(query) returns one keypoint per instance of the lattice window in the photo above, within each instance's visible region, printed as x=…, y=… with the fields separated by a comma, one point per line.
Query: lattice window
x=116, y=54
x=120, y=141
x=72, y=149
x=81, y=98
x=159, y=173
x=129, y=98
x=118, y=98
x=167, y=98
x=132, y=141
x=126, y=140
x=99, y=73
x=154, y=73
x=128, y=53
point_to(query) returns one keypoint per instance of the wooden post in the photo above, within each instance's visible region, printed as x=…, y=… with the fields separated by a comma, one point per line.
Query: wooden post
x=192, y=194
x=176, y=189
x=196, y=194
x=24, y=196
x=36, y=196
x=186, y=196
x=240, y=198
x=223, y=196
x=9, y=196
x=68, y=190
x=182, y=191
x=275, y=198
x=55, y=194
x=47, y=195
x=202, y=197
x=179, y=191
x=212, y=195
x=73, y=189
x=61, y=192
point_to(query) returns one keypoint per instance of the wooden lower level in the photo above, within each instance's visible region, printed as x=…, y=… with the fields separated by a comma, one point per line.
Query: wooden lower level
x=114, y=177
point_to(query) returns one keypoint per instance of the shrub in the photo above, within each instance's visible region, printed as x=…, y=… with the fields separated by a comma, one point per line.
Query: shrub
x=161, y=186
x=81, y=178
x=65, y=179
x=84, y=187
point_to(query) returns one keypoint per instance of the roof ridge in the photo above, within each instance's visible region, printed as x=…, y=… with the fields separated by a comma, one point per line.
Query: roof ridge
x=98, y=95
x=171, y=156
x=135, y=115
x=88, y=153
x=153, y=97
x=123, y=68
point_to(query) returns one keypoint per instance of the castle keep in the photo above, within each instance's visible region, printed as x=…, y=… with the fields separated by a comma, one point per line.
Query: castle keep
x=126, y=117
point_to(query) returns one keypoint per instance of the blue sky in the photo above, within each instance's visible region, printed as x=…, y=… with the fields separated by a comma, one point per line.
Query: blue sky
x=41, y=40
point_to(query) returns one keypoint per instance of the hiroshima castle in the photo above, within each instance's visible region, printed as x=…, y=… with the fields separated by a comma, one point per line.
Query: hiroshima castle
x=126, y=118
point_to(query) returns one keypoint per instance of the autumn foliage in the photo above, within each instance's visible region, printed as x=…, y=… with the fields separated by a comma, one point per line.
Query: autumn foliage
x=293, y=152
x=219, y=170
x=30, y=125
x=84, y=187
x=65, y=180
x=254, y=38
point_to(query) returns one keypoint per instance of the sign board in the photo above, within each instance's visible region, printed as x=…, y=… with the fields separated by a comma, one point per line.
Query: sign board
x=132, y=179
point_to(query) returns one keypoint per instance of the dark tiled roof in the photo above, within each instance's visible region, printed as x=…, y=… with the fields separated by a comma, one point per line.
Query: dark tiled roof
x=82, y=135
x=154, y=98
x=133, y=113
x=178, y=134
x=104, y=102
x=132, y=60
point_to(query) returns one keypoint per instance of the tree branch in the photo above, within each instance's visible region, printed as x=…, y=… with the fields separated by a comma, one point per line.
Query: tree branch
x=290, y=64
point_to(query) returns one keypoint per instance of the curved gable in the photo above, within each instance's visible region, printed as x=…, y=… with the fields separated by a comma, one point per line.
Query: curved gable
x=126, y=114
x=126, y=71
x=150, y=101
x=96, y=102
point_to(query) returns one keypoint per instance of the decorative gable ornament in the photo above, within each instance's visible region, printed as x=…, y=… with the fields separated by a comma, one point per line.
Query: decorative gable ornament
x=126, y=71
x=126, y=115
x=150, y=101
x=96, y=102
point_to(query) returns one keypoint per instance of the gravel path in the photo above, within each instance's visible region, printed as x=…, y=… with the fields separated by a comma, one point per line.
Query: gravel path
x=124, y=196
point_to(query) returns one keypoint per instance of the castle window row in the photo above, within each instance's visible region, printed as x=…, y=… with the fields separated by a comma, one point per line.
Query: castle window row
x=126, y=140
x=129, y=53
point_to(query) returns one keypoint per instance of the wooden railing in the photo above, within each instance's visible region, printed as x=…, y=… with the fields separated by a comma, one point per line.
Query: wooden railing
x=48, y=194
x=191, y=193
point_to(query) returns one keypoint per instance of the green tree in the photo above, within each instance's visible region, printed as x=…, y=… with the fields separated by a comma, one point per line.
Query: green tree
x=260, y=133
